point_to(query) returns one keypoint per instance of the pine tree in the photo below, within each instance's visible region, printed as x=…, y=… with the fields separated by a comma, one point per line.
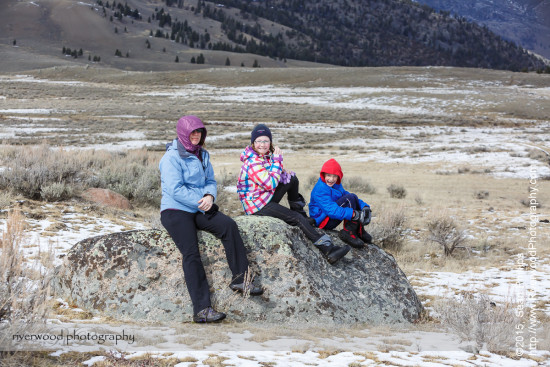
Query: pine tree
x=14, y=42
x=177, y=59
x=193, y=60
x=200, y=59
x=227, y=62
x=255, y=65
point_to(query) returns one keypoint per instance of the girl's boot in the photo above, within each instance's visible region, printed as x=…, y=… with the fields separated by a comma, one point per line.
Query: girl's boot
x=331, y=252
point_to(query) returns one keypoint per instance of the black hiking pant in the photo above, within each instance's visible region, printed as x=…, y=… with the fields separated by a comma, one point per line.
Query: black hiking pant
x=182, y=227
x=294, y=218
x=346, y=201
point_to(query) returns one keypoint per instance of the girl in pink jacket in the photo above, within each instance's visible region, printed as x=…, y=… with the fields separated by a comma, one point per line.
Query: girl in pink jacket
x=262, y=184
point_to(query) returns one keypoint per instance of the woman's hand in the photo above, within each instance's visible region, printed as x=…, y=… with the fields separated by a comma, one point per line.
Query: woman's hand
x=277, y=150
x=206, y=203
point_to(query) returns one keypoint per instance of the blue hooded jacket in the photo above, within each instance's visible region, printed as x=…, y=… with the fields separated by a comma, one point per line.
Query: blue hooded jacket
x=185, y=179
x=322, y=203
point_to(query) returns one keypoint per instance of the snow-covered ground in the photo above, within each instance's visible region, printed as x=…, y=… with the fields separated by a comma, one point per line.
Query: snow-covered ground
x=407, y=347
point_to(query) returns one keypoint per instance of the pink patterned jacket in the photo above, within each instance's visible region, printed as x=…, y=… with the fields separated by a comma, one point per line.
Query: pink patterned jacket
x=258, y=179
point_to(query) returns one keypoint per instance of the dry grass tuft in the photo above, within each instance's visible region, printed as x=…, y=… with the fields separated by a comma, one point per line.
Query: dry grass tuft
x=479, y=320
x=397, y=191
x=24, y=289
x=388, y=228
x=215, y=361
x=323, y=354
x=358, y=184
x=443, y=230
x=227, y=200
x=114, y=358
x=44, y=359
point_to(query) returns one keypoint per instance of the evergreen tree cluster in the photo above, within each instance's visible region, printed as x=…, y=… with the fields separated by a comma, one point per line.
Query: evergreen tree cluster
x=74, y=52
x=199, y=60
x=181, y=32
x=177, y=3
x=372, y=33
x=120, y=10
x=79, y=53
x=341, y=32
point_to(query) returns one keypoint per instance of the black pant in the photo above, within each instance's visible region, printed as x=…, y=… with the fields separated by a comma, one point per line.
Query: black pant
x=347, y=201
x=182, y=227
x=274, y=209
x=292, y=188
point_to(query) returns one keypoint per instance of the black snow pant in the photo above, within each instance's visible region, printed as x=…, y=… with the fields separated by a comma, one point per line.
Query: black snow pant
x=346, y=201
x=294, y=218
x=182, y=227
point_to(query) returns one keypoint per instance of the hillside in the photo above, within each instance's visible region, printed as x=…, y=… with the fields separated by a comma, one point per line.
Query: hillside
x=178, y=34
x=525, y=22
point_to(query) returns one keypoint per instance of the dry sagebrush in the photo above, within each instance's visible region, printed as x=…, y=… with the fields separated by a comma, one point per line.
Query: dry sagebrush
x=475, y=318
x=388, y=228
x=443, y=230
x=42, y=172
x=24, y=288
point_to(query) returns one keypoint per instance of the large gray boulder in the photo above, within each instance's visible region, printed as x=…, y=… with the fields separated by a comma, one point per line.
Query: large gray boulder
x=137, y=275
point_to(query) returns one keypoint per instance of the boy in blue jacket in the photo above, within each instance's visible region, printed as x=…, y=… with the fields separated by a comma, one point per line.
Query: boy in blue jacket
x=330, y=204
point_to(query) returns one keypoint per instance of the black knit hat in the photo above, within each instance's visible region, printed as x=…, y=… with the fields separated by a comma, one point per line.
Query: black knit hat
x=260, y=130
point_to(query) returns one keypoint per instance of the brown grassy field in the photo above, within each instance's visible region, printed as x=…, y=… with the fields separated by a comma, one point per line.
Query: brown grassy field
x=462, y=144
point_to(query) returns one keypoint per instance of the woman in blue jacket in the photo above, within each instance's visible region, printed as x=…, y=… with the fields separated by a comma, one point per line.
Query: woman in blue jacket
x=187, y=205
x=330, y=204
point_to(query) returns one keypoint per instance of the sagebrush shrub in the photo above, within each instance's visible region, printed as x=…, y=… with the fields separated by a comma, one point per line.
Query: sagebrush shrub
x=359, y=184
x=56, y=191
x=29, y=169
x=24, y=288
x=397, y=191
x=475, y=318
x=42, y=172
x=388, y=229
x=443, y=230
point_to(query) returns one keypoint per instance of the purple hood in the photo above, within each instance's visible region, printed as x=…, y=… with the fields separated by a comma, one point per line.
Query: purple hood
x=185, y=126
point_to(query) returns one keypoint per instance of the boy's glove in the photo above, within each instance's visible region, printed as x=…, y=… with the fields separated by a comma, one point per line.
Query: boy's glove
x=366, y=215
x=358, y=216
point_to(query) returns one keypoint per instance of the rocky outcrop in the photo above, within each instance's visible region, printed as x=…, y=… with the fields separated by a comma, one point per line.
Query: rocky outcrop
x=106, y=197
x=137, y=275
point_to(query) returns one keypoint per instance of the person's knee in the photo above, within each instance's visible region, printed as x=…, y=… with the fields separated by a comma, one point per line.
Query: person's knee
x=351, y=196
x=227, y=222
x=296, y=219
x=353, y=200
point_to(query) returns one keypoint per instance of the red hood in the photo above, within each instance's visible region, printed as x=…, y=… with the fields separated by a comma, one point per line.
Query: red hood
x=332, y=167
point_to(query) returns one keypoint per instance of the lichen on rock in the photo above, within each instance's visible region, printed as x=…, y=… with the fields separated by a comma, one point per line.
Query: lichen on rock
x=137, y=275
